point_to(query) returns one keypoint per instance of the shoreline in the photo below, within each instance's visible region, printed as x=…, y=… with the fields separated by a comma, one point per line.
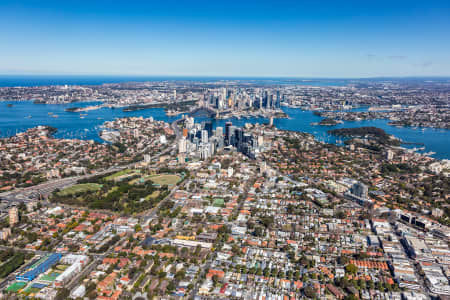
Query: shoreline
x=297, y=120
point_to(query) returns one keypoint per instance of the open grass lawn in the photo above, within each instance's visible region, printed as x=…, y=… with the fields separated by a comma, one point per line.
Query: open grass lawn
x=16, y=286
x=31, y=290
x=152, y=195
x=61, y=267
x=113, y=189
x=218, y=202
x=137, y=180
x=80, y=188
x=120, y=173
x=168, y=179
x=49, y=277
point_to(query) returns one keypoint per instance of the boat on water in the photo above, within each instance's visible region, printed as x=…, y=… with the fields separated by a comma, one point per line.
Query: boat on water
x=50, y=113
x=9, y=105
x=28, y=117
x=55, y=116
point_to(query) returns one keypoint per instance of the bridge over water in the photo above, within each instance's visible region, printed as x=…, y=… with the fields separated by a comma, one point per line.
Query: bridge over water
x=203, y=111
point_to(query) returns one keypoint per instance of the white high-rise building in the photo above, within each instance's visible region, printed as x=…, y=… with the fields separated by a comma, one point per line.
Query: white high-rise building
x=219, y=131
x=224, y=93
x=389, y=154
x=230, y=171
x=205, y=152
x=212, y=148
x=189, y=123
x=182, y=145
x=260, y=141
x=263, y=167
x=204, y=136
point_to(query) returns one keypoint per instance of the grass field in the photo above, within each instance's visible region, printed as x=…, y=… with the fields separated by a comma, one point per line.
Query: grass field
x=80, y=188
x=165, y=179
x=152, y=195
x=138, y=180
x=120, y=173
x=218, y=202
x=49, y=277
x=61, y=267
x=31, y=290
x=16, y=286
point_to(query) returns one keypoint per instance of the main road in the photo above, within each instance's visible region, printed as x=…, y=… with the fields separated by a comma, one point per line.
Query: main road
x=46, y=188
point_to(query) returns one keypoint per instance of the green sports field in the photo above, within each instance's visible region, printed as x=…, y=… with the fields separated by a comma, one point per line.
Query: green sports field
x=16, y=286
x=49, y=277
x=168, y=179
x=80, y=188
x=120, y=173
x=218, y=202
x=31, y=290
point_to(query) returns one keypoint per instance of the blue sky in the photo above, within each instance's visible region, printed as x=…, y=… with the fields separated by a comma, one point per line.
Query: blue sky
x=226, y=38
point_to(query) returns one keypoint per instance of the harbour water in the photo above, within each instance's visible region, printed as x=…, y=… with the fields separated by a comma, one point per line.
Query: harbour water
x=23, y=115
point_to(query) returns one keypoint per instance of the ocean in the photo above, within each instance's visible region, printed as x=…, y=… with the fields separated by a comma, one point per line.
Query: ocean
x=43, y=80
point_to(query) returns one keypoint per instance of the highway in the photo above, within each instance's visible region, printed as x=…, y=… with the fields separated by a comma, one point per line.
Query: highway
x=46, y=188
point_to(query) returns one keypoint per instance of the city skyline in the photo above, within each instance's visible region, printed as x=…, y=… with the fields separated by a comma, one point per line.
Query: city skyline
x=291, y=39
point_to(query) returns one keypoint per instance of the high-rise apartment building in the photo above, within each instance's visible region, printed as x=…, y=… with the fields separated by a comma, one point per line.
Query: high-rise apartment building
x=13, y=216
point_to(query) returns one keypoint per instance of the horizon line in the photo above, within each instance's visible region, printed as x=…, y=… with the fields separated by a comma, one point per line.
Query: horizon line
x=226, y=76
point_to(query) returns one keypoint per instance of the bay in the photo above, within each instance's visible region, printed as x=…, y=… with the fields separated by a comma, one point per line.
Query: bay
x=70, y=125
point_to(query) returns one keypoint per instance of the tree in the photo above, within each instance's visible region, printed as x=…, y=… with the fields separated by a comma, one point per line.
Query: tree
x=267, y=221
x=215, y=279
x=171, y=286
x=180, y=274
x=137, y=228
x=62, y=294
x=362, y=284
x=258, y=232
x=162, y=275
x=310, y=292
x=351, y=268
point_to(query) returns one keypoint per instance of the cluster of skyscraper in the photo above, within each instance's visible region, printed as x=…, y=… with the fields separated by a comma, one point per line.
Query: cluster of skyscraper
x=202, y=141
x=238, y=98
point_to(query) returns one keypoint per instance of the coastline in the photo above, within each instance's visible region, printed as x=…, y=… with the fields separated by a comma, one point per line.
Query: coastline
x=70, y=125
